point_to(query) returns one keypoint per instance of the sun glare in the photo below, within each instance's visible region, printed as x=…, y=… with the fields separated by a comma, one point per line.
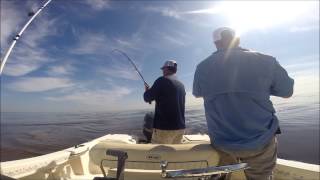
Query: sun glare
x=248, y=15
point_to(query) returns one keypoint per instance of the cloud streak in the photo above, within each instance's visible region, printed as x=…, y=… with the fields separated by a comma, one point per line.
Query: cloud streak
x=189, y=17
x=61, y=70
x=25, y=60
x=94, y=97
x=39, y=84
x=303, y=28
x=29, y=54
x=97, y=44
x=176, y=38
x=119, y=71
x=92, y=43
x=11, y=18
x=98, y=4
x=165, y=11
x=245, y=16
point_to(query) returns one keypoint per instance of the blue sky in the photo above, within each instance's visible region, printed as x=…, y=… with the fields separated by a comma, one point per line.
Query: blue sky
x=63, y=62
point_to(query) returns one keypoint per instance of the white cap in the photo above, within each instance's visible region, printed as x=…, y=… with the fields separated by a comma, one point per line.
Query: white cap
x=217, y=34
x=169, y=63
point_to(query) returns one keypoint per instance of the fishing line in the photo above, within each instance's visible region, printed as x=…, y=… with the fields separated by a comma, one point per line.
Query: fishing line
x=17, y=37
x=133, y=64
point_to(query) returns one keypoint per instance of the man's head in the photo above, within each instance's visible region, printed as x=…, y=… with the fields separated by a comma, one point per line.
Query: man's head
x=225, y=38
x=169, y=68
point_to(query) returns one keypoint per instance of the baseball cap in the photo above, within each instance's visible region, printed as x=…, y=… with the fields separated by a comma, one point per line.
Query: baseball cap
x=169, y=63
x=217, y=34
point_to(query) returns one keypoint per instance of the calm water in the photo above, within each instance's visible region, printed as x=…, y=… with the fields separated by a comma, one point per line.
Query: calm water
x=32, y=134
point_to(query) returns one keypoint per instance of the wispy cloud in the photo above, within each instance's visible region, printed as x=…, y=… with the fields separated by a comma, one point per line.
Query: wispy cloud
x=11, y=18
x=99, y=43
x=61, y=70
x=42, y=28
x=25, y=60
x=92, y=43
x=215, y=10
x=98, y=4
x=120, y=71
x=19, y=69
x=303, y=66
x=29, y=54
x=244, y=16
x=96, y=44
x=307, y=59
x=181, y=15
x=165, y=11
x=127, y=43
x=39, y=84
x=252, y=15
x=33, y=5
x=94, y=97
x=303, y=28
x=176, y=38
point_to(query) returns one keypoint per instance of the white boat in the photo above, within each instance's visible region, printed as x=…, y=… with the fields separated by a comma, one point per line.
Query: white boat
x=194, y=159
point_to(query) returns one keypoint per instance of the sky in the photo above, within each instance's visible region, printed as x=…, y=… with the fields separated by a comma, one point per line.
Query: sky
x=64, y=61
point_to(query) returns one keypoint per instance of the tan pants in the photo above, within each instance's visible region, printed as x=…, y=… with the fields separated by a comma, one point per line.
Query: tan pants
x=261, y=162
x=167, y=136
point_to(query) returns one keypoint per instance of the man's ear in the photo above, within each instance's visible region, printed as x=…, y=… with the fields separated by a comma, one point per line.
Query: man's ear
x=218, y=44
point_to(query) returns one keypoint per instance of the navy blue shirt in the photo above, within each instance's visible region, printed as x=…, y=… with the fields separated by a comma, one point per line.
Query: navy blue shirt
x=169, y=94
x=236, y=88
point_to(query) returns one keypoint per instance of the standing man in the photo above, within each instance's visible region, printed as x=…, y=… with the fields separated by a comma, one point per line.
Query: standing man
x=169, y=94
x=236, y=85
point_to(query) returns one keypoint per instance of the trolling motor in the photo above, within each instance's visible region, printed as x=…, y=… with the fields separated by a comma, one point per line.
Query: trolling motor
x=148, y=126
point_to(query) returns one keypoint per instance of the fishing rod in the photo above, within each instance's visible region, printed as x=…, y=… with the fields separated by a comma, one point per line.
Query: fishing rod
x=135, y=67
x=17, y=37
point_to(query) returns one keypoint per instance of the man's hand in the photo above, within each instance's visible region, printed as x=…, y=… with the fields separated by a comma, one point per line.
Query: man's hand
x=146, y=87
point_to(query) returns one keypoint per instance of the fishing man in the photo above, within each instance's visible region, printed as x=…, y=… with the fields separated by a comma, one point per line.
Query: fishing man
x=169, y=94
x=236, y=85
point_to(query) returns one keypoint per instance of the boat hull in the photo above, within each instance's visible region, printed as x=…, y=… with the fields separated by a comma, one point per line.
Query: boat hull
x=85, y=161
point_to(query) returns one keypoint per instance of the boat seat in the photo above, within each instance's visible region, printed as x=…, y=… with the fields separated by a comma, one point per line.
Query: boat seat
x=145, y=158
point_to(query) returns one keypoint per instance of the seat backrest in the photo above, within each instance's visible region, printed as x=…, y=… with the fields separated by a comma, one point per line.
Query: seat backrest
x=149, y=156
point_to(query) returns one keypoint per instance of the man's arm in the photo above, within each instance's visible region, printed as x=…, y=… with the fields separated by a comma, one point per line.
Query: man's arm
x=151, y=94
x=196, y=90
x=282, y=84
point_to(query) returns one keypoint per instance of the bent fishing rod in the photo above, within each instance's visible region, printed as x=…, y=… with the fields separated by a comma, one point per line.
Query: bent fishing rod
x=17, y=37
x=135, y=67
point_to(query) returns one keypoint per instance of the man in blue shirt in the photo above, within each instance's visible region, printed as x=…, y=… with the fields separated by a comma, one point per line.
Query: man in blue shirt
x=236, y=85
x=169, y=94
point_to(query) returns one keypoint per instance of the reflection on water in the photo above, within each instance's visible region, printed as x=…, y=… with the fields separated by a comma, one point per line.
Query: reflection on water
x=32, y=134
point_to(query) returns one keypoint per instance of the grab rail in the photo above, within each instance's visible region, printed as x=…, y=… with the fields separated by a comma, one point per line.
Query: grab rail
x=201, y=172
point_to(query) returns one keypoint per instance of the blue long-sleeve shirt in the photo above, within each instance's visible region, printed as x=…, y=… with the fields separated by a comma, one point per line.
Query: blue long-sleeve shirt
x=169, y=94
x=236, y=86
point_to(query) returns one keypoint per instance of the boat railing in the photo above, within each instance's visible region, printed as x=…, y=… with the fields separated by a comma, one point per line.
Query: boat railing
x=201, y=172
x=154, y=165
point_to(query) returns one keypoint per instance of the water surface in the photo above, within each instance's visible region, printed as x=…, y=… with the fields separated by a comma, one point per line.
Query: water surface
x=31, y=134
